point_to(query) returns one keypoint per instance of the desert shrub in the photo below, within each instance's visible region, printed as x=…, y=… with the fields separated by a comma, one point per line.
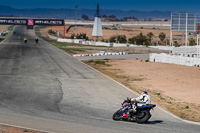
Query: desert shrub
x=79, y=36
x=51, y=32
x=162, y=36
x=187, y=107
x=139, y=39
x=191, y=42
x=118, y=38
x=90, y=61
x=176, y=44
x=101, y=62
x=72, y=36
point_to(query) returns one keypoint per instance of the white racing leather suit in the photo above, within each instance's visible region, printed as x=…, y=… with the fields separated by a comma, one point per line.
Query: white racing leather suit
x=143, y=99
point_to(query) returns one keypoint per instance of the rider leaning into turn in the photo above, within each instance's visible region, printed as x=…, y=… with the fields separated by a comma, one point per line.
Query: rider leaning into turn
x=144, y=98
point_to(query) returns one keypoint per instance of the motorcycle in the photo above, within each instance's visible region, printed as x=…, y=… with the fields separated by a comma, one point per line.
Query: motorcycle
x=140, y=115
x=36, y=40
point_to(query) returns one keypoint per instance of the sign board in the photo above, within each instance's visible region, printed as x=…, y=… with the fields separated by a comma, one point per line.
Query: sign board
x=184, y=21
x=31, y=22
x=13, y=21
x=198, y=28
x=51, y=22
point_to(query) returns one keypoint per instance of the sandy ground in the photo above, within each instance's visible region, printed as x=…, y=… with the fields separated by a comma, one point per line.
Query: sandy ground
x=179, y=82
x=7, y=129
x=4, y=28
x=44, y=31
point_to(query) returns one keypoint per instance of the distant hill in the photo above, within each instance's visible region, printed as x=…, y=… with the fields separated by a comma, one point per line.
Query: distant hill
x=76, y=14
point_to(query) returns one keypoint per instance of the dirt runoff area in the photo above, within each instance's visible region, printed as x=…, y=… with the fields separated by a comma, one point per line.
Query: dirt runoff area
x=4, y=28
x=8, y=129
x=173, y=87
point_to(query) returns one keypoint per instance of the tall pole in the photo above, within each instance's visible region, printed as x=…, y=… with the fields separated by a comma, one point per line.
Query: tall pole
x=171, y=32
x=171, y=39
x=198, y=45
x=186, y=33
x=98, y=11
x=64, y=30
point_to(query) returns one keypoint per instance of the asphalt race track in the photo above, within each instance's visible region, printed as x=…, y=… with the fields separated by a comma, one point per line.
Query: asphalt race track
x=43, y=88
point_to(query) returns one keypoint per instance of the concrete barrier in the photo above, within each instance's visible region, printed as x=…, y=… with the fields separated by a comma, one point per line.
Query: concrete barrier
x=162, y=47
x=84, y=42
x=189, y=50
x=175, y=59
x=52, y=37
x=101, y=53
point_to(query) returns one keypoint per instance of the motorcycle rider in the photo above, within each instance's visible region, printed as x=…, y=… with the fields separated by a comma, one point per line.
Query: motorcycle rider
x=25, y=40
x=143, y=99
x=36, y=40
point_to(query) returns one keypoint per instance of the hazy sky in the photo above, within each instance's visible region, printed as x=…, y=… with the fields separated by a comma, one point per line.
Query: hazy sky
x=143, y=5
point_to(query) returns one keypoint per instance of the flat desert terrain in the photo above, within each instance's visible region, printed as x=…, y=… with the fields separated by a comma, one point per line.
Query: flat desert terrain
x=173, y=87
x=179, y=82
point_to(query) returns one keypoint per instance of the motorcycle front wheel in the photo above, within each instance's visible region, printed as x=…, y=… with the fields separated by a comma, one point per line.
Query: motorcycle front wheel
x=117, y=115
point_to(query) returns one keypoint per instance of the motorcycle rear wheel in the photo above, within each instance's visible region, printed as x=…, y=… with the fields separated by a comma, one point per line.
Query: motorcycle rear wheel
x=143, y=116
x=117, y=115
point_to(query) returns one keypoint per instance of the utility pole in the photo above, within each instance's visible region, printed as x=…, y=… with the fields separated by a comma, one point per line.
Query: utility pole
x=171, y=39
x=98, y=11
x=186, y=33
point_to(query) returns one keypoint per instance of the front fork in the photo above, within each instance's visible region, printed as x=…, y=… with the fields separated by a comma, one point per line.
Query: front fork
x=124, y=113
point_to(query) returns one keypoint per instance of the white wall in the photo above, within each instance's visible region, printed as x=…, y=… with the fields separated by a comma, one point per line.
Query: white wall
x=80, y=41
x=173, y=59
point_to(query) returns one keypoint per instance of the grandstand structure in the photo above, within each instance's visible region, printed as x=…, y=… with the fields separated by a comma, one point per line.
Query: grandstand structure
x=188, y=23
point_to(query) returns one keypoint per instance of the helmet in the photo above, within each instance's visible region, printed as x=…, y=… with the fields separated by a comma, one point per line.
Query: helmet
x=145, y=92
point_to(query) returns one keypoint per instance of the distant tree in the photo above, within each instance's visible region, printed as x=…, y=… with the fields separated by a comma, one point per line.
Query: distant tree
x=51, y=32
x=176, y=44
x=72, y=36
x=150, y=36
x=104, y=16
x=112, y=16
x=191, y=42
x=82, y=36
x=85, y=17
x=79, y=36
x=140, y=39
x=125, y=18
x=118, y=38
x=162, y=36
